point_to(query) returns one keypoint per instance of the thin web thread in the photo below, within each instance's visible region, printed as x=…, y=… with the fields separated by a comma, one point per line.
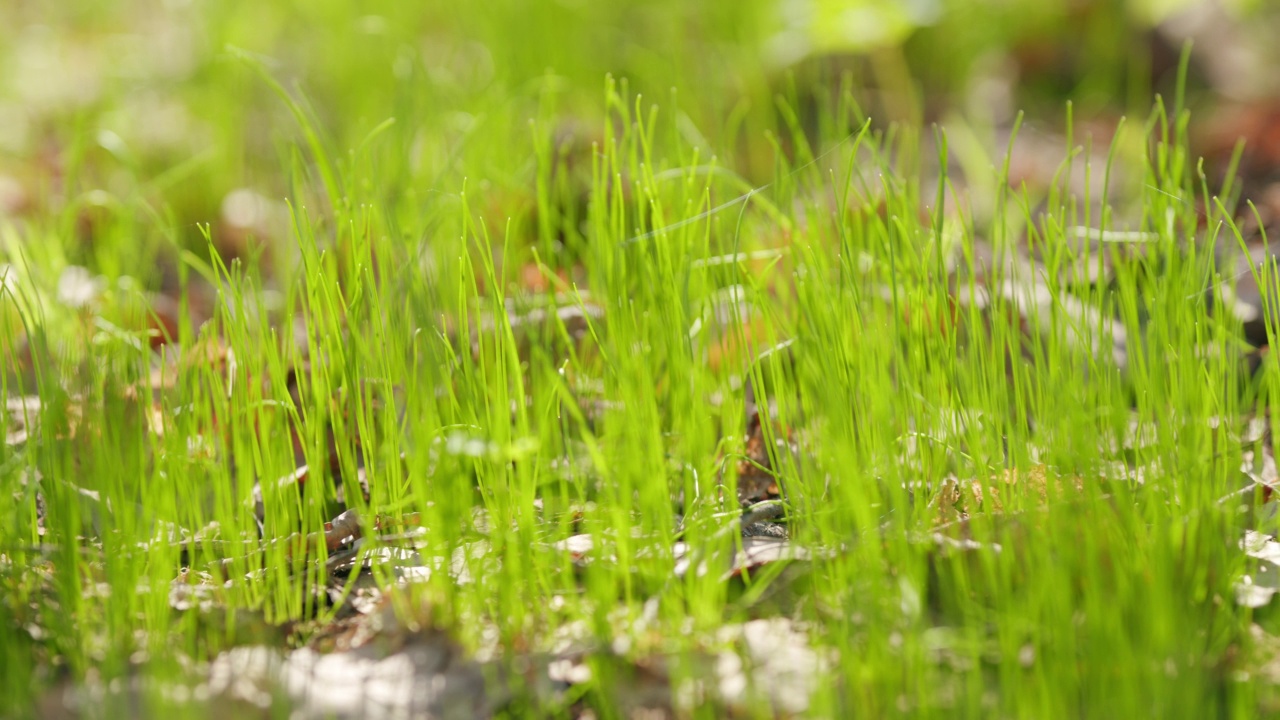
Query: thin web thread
x=741, y=198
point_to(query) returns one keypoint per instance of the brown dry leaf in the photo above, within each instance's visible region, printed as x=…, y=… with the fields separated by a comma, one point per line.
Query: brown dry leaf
x=735, y=348
x=757, y=480
x=956, y=500
x=532, y=278
x=1045, y=486
x=949, y=503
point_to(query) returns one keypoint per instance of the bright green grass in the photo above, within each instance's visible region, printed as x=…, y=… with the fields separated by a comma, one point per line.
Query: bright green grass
x=1107, y=596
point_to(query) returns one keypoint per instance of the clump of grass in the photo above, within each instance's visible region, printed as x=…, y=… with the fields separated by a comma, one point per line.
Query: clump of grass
x=1004, y=478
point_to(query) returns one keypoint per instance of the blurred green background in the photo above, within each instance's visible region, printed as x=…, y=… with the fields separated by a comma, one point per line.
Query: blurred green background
x=113, y=114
